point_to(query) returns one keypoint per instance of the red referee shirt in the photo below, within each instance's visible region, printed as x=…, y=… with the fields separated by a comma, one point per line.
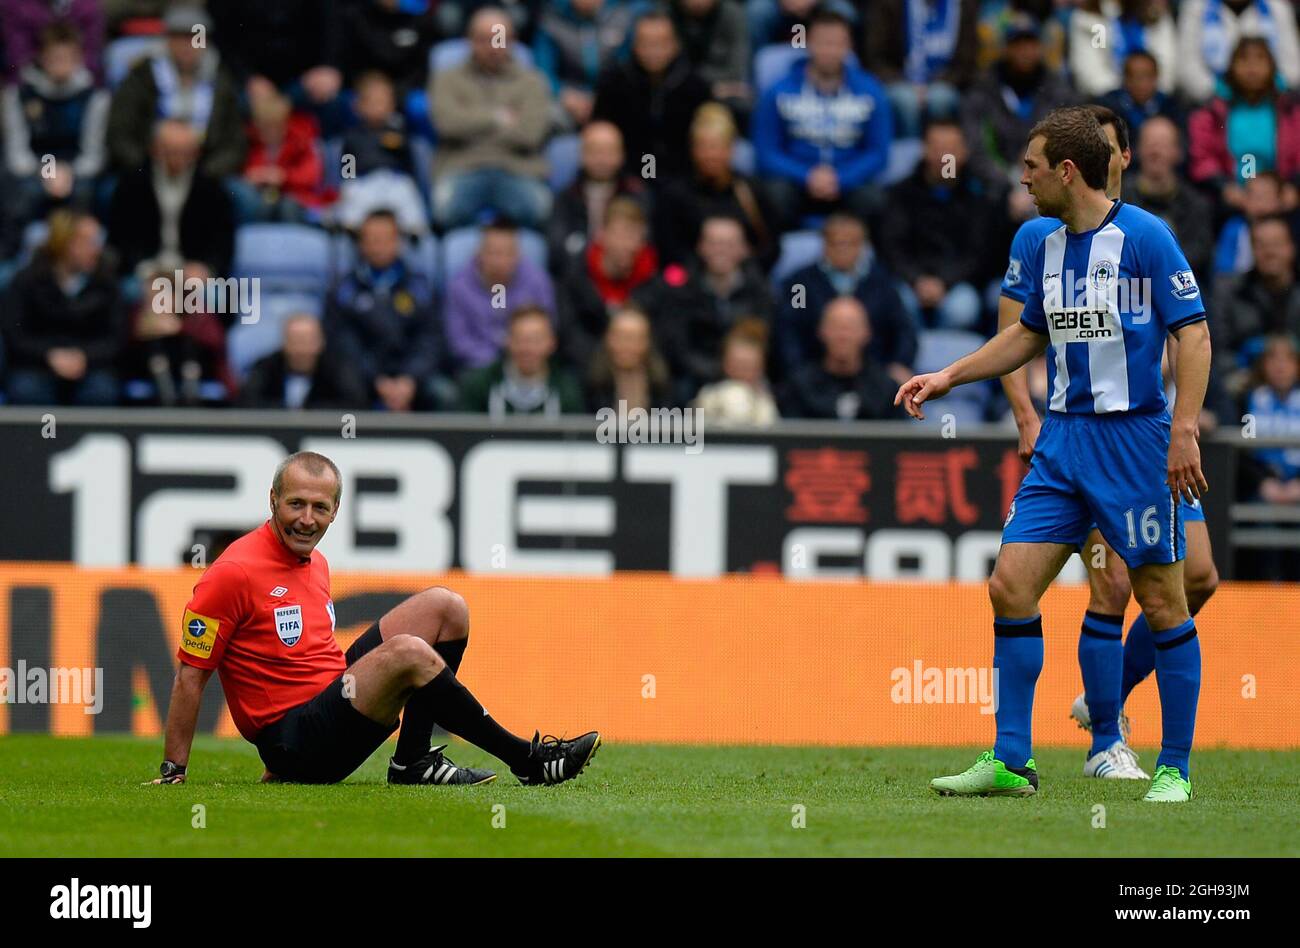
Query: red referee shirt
x=262, y=617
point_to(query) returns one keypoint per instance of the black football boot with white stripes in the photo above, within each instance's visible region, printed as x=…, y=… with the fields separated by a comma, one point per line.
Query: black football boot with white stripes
x=436, y=767
x=552, y=760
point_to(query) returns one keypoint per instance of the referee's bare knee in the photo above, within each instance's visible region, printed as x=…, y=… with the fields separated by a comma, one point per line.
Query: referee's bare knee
x=415, y=658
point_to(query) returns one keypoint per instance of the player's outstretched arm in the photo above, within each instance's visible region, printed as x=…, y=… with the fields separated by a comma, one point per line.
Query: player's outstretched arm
x=182, y=719
x=1192, y=377
x=1009, y=349
x=1016, y=384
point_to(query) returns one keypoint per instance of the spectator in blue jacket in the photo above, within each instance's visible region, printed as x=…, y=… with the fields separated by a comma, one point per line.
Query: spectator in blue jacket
x=822, y=133
x=382, y=319
x=849, y=267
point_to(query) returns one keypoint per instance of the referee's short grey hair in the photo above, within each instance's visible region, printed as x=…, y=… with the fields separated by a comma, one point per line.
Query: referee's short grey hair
x=314, y=464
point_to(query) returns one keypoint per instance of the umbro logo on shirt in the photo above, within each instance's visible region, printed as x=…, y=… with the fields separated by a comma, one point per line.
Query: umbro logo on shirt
x=279, y=591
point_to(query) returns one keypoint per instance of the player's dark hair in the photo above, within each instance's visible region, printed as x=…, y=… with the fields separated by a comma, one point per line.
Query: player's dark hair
x=314, y=464
x=1074, y=133
x=502, y=223
x=1107, y=116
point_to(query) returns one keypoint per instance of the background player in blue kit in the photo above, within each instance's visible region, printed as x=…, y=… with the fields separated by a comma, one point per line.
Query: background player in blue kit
x=1111, y=670
x=1104, y=290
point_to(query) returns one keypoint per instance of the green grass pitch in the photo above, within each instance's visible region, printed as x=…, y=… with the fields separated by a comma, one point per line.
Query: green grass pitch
x=75, y=797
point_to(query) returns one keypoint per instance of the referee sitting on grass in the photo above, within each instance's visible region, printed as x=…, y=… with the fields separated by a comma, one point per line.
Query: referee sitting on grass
x=262, y=617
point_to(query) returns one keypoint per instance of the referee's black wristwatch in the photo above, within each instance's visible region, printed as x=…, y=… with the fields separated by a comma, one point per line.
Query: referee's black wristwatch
x=171, y=772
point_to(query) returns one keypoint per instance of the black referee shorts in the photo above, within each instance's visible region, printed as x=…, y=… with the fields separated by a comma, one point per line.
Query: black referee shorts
x=325, y=738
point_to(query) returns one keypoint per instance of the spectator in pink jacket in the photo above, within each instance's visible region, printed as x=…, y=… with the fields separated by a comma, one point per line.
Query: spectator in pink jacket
x=1254, y=129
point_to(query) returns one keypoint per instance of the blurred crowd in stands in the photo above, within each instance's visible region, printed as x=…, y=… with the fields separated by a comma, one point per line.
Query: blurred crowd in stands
x=764, y=209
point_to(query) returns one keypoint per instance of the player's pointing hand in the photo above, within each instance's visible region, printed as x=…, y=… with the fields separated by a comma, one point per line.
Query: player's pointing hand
x=921, y=388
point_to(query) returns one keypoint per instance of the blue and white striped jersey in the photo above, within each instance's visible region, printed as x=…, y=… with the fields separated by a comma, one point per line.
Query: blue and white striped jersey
x=1023, y=246
x=1107, y=299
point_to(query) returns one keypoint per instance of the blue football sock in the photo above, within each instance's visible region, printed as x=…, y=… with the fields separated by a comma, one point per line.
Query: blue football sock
x=1178, y=676
x=1139, y=656
x=1018, y=658
x=1101, y=659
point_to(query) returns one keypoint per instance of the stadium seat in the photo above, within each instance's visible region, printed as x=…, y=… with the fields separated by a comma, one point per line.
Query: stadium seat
x=459, y=245
x=248, y=342
x=964, y=409
x=422, y=157
x=453, y=52
x=416, y=109
x=34, y=235
x=331, y=152
x=425, y=257
x=285, y=257
x=798, y=249
x=743, y=159
x=144, y=391
x=904, y=153
x=563, y=153
x=343, y=255
x=937, y=348
x=121, y=54
x=774, y=60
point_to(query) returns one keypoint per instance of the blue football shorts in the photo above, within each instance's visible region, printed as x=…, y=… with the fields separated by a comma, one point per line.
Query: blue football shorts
x=1103, y=470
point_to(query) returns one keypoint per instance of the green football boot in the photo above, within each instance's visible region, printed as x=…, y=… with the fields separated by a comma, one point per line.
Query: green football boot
x=1168, y=786
x=989, y=777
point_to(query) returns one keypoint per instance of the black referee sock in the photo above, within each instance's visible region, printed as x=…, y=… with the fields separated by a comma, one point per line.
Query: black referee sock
x=414, y=738
x=452, y=653
x=417, y=728
x=459, y=712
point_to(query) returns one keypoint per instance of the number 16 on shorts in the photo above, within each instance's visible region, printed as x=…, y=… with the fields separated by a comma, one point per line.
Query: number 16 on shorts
x=1148, y=524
